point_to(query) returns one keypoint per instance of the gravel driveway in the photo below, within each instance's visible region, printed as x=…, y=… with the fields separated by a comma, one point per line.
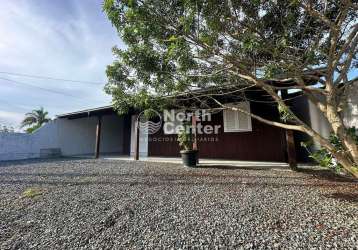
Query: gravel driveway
x=121, y=204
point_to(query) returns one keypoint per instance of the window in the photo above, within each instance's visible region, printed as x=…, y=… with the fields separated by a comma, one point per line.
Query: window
x=236, y=121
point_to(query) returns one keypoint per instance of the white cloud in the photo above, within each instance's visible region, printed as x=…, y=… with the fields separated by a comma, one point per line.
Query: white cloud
x=62, y=39
x=11, y=119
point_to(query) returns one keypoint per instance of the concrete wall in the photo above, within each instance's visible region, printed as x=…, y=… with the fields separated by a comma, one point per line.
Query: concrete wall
x=72, y=137
x=15, y=146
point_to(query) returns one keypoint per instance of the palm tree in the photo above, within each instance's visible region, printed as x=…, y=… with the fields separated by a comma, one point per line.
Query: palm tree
x=35, y=119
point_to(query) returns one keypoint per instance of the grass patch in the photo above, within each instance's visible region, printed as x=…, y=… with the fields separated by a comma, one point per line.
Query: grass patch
x=31, y=192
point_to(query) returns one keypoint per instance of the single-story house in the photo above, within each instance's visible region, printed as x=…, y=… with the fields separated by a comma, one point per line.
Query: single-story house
x=226, y=134
x=238, y=137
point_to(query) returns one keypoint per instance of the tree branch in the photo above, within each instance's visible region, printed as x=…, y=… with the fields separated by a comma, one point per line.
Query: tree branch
x=323, y=18
x=259, y=118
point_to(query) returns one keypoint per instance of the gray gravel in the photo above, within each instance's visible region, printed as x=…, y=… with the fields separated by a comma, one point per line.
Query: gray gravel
x=119, y=204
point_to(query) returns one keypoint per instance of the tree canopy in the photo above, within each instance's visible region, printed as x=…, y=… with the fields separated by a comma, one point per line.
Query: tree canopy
x=183, y=45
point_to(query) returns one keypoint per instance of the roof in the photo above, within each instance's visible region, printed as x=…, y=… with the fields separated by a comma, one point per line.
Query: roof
x=310, y=78
x=88, y=112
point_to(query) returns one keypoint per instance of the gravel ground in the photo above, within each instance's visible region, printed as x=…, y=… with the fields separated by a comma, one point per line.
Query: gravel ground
x=119, y=204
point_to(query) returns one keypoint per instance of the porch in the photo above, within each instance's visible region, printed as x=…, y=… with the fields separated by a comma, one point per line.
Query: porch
x=110, y=136
x=207, y=163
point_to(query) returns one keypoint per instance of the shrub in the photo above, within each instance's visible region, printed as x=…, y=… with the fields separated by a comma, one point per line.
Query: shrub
x=326, y=159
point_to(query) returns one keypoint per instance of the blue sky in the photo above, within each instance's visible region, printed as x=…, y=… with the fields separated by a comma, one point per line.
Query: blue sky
x=63, y=39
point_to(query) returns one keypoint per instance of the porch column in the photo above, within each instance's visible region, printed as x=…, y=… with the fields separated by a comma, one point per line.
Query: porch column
x=98, y=136
x=195, y=141
x=290, y=140
x=193, y=124
x=136, y=144
x=291, y=149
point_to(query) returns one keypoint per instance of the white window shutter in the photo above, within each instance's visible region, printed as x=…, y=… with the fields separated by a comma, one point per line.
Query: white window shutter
x=236, y=121
x=230, y=120
x=244, y=119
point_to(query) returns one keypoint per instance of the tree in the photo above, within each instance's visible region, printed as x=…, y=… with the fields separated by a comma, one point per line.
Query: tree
x=181, y=45
x=35, y=119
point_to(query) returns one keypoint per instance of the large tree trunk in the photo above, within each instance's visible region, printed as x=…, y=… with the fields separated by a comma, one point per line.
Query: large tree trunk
x=347, y=164
x=340, y=130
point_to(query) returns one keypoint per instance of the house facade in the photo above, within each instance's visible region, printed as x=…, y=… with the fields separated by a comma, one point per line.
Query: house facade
x=238, y=137
x=235, y=136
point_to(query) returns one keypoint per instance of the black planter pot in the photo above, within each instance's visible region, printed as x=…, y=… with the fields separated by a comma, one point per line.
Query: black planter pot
x=189, y=157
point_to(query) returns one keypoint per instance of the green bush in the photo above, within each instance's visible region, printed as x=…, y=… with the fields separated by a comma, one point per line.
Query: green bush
x=323, y=157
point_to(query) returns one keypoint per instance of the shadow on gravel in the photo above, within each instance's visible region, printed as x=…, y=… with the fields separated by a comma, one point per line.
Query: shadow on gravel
x=350, y=197
x=177, y=182
x=167, y=176
x=324, y=174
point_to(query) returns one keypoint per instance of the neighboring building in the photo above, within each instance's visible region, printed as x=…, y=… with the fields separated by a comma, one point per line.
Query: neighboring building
x=310, y=114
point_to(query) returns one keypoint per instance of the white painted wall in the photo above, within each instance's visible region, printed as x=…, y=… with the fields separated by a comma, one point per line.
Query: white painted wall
x=317, y=120
x=78, y=136
x=143, y=139
x=350, y=114
x=73, y=137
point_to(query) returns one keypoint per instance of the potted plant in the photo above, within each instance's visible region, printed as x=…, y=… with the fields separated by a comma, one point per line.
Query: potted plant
x=188, y=154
